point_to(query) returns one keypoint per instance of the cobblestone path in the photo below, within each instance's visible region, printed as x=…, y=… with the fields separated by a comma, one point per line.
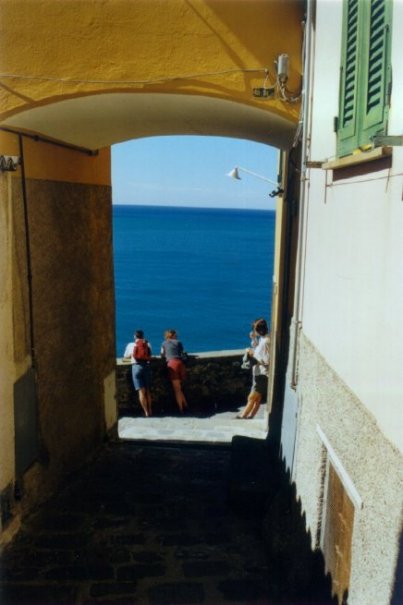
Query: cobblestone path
x=145, y=524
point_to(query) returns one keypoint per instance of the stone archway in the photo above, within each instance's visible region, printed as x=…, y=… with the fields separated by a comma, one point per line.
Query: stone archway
x=96, y=75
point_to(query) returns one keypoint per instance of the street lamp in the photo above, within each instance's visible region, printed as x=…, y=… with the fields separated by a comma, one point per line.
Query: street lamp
x=234, y=174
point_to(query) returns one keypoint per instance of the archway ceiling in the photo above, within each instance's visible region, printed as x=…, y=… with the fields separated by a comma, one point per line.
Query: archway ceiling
x=97, y=121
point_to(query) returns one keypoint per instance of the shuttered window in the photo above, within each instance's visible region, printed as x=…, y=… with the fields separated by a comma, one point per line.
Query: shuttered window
x=349, y=71
x=365, y=73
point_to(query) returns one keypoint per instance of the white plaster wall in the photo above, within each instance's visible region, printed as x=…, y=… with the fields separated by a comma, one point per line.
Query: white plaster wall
x=289, y=425
x=6, y=340
x=353, y=270
x=373, y=464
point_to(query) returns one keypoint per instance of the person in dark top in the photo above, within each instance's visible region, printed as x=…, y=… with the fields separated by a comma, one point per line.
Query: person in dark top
x=172, y=351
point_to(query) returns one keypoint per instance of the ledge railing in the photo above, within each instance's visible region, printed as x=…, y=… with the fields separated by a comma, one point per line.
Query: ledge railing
x=215, y=382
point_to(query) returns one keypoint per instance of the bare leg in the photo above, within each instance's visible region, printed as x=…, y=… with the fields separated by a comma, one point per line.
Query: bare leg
x=252, y=405
x=143, y=400
x=149, y=402
x=255, y=408
x=179, y=396
x=184, y=401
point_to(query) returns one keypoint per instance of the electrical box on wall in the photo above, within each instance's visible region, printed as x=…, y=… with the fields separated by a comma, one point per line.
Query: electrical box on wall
x=263, y=93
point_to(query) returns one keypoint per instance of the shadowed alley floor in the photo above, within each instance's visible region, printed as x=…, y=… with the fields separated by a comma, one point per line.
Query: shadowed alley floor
x=159, y=525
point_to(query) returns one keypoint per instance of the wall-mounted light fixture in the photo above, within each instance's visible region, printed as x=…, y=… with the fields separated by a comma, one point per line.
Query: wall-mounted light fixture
x=234, y=174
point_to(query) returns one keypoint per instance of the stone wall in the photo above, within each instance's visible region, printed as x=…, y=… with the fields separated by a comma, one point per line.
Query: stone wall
x=73, y=319
x=373, y=465
x=215, y=382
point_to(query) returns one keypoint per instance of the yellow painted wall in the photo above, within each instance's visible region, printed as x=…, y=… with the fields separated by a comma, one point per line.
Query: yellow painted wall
x=70, y=233
x=7, y=372
x=52, y=162
x=52, y=50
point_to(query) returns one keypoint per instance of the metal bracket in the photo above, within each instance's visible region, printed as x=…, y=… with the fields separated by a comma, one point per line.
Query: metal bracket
x=389, y=140
x=9, y=163
x=276, y=192
x=314, y=164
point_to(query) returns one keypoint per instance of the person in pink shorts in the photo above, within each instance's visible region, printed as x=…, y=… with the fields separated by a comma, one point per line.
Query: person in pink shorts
x=172, y=351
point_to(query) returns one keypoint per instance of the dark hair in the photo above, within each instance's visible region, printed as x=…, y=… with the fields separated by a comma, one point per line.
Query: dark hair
x=139, y=334
x=261, y=327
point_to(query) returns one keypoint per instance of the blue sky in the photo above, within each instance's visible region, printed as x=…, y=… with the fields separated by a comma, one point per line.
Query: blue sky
x=191, y=171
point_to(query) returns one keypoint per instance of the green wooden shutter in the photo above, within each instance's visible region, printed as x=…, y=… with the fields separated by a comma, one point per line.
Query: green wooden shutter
x=377, y=75
x=365, y=73
x=349, y=76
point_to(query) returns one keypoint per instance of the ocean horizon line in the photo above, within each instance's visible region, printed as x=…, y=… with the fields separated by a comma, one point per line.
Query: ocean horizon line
x=204, y=271
x=182, y=207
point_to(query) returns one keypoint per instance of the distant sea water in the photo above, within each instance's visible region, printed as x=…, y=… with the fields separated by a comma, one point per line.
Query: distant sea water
x=205, y=272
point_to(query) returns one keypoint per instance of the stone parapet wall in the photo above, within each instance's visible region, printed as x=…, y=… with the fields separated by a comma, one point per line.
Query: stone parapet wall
x=215, y=382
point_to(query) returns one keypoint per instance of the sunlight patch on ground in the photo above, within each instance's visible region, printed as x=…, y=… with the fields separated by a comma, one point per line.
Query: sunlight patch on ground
x=220, y=428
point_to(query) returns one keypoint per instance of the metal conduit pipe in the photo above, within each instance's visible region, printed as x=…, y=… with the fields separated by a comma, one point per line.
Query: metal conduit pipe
x=302, y=210
x=41, y=139
x=28, y=254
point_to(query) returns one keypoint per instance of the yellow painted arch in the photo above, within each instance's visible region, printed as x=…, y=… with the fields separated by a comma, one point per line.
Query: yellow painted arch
x=96, y=72
x=96, y=121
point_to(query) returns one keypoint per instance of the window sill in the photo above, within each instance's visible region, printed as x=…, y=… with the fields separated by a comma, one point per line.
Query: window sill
x=358, y=158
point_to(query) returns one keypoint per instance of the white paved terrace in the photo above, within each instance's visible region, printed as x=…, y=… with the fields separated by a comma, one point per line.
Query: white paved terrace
x=219, y=429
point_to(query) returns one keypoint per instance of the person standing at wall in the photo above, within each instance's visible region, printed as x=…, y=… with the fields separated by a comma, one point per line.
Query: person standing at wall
x=139, y=352
x=247, y=361
x=260, y=370
x=172, y=351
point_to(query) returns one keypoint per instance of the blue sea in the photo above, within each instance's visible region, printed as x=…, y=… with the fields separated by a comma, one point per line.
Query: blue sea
x=207, y=273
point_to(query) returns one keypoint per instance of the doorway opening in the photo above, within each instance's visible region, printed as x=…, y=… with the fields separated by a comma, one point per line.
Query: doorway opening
x=193, y=251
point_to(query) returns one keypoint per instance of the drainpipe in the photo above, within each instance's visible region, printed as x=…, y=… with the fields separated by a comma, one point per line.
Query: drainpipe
x=302, y=211
x=28, y=254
